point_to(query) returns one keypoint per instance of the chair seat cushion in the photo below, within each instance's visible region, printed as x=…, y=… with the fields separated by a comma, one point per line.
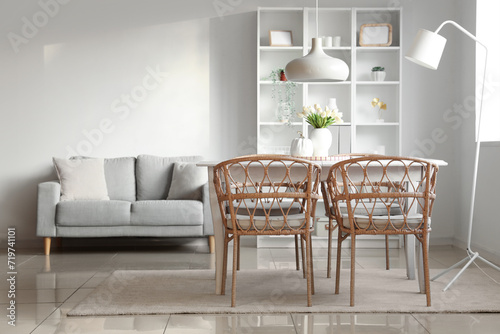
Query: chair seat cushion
x=163, y=212
x=262, y=208
x=258, y=209
x=93, y=213
x=380, y=222
x=375, y=208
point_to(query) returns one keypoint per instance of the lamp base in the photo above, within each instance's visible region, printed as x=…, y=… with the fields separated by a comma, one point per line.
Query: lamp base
x=471, y=256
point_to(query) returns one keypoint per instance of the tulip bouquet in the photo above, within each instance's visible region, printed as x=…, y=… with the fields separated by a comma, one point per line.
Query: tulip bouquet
x=320, y=118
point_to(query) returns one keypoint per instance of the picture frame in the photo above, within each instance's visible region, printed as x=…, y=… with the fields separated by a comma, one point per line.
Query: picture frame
x=280, y=38
x=375, y=34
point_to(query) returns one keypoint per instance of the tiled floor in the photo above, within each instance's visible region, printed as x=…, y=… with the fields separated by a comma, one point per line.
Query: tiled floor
x=42, y=304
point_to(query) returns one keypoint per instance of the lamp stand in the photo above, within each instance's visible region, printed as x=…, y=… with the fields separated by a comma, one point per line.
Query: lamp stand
x=471, y=255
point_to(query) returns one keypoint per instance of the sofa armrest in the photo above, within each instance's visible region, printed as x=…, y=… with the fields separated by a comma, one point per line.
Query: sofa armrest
x=49, y=194
x=208, y=226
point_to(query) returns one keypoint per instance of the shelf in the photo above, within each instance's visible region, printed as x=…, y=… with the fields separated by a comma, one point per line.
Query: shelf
x=377, y=83
x=269, y=82
x=339, y=83
x=280, y=48
x=333, y=48
x=377, y=48
x=379, y=124
x=280, y=123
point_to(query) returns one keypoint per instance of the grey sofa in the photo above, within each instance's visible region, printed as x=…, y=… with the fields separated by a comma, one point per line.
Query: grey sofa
x=137, y=207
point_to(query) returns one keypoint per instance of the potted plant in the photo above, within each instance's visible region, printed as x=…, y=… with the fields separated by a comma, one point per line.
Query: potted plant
x=283, y=92
x=320, y=119
x=378, y=73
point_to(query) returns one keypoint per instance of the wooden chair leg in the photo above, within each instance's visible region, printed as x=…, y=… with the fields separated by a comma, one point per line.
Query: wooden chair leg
x=224, y=265
x=236, y=248
x=329, y=263
x=425, y=251
x=339, y=256
x=302, y=243
x=239, y=248
x=312, y=263
x=387, y=263
x=353, y=266
x=211, y=244
x=309, y=269
x=46, y=245
x=297, y=260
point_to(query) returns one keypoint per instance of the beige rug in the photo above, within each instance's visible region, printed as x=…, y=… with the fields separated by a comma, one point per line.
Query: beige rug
x=132, y=292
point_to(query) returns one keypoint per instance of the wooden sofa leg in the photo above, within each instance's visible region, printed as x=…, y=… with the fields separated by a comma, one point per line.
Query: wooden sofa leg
x=211, y=244
x=46, y=245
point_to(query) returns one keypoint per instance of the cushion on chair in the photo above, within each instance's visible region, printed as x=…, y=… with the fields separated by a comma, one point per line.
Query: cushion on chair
x=413, y=221
x=259, y=211
x=294, y=221
x=379, y=208
x=93, y=213
x=167, y=213
x=295, y=217
x=187, y=181
x=154, y=175
x=81, y=179
x=120, y=178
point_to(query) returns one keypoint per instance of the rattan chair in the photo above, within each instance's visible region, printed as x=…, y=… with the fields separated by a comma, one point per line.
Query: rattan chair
x=382, y=195
x=267, y=195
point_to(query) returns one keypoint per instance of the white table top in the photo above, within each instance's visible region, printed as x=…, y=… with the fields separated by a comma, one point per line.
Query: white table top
x=322, y=163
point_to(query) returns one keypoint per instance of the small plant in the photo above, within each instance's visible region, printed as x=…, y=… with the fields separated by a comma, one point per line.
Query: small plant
x=278, y=75
x=381, y=106
x=319, y=118
x=378, y=69
x=283, y=92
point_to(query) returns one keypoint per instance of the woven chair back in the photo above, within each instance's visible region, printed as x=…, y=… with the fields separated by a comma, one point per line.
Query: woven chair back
x=383, y=194
x=267, y=194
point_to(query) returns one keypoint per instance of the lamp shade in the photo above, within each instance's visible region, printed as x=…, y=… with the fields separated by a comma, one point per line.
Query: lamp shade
x=427, y=49
x=317, y=66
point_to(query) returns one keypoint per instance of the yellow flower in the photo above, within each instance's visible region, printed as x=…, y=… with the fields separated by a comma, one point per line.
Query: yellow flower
x=375, y=101
x=382, y=105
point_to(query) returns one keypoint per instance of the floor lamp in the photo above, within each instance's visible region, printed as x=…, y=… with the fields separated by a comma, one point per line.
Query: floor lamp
x=426, y=51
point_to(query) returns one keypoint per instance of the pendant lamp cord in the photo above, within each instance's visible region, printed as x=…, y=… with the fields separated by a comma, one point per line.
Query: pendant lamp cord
x=317, y=32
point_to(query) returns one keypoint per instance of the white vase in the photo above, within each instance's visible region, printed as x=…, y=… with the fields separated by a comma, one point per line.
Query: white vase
x=322, y=140
x=378, y=76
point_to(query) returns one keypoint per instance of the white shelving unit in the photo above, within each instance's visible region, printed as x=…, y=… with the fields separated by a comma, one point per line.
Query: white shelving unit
x=360, y=132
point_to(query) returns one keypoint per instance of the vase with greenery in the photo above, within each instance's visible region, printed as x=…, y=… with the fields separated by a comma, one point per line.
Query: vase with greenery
x=283, y=92
x=321, y=119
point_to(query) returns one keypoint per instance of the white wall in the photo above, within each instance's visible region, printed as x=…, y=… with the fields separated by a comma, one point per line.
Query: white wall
x=67, y=78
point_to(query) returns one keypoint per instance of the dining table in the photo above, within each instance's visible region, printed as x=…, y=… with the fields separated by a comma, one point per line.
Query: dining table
x=414, y=265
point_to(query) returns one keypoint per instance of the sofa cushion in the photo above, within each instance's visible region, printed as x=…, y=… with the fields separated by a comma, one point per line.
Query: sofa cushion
x=154, y=175
x=167, y=213
x=81, y=179
x=93, y=213
x=187, y=181
x=120, y=178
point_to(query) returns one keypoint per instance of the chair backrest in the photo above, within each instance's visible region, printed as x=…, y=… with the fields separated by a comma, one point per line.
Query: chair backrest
x=267, y=194
x=383, y=194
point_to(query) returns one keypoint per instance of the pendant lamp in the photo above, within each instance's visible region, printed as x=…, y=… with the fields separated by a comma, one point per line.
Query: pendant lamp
x=317, y=66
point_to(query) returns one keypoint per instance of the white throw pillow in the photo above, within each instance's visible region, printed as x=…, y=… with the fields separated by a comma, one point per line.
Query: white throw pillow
x=187, y=181
x=81, y=179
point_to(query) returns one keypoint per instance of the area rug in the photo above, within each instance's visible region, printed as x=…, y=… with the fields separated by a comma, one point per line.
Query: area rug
x=134, y=292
